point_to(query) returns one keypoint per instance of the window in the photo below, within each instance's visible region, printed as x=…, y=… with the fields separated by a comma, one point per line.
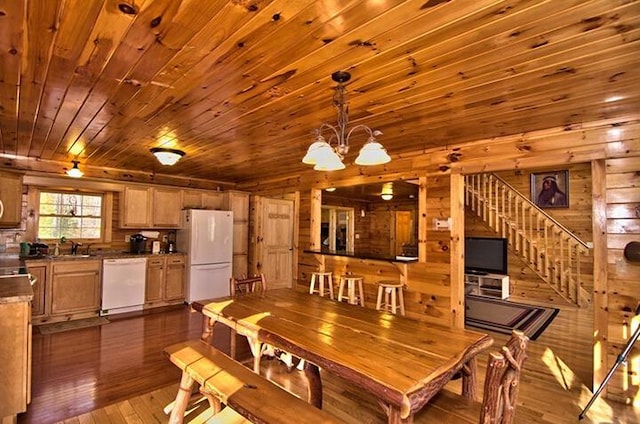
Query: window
x=71, y=215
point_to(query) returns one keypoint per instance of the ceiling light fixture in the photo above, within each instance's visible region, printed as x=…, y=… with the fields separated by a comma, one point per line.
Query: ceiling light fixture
x=75, y=172
x=167, y=156
x=324, y=157
x=330, y=189
x=387, y=191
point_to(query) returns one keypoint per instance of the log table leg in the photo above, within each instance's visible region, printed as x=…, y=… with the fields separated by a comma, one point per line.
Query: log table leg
x=207, y=329
x=469, y=379
x=315, y=384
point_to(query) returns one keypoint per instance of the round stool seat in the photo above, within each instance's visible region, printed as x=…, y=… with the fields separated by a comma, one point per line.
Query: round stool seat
x=353, y=283
x=321, y=278
x=390, y=297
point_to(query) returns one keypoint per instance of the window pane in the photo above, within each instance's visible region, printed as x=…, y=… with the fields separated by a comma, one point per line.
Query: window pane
x=63, y=214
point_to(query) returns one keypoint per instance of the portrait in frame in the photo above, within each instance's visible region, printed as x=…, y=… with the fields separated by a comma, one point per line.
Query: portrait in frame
x=550, y=189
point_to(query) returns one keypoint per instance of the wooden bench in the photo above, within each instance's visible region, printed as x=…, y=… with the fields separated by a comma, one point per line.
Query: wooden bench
x=248, y=396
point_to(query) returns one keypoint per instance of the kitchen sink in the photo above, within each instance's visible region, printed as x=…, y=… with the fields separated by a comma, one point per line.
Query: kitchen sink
x=73, y=256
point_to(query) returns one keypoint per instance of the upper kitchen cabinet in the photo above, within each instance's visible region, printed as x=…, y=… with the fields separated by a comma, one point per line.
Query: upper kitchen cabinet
x=195, y=199
x=166, y=208
x=150, y=207
x=10, y=199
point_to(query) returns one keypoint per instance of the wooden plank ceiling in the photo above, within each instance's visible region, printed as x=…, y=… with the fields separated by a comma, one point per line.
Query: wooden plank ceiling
x=241, y=85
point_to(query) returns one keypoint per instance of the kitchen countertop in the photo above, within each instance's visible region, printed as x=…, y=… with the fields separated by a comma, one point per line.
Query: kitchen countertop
x=15, y=288
x=97, y=256
x=363, y=255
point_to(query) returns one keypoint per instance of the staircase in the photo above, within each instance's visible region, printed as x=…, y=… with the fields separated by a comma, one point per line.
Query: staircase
x=552, y=251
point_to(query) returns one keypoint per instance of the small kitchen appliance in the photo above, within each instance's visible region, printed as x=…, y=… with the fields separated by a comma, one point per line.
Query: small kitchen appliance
x=138, y=243
x=171, y=242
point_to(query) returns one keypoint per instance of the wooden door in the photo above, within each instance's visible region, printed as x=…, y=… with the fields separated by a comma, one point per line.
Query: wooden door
x=276, y=237
x=404, y=232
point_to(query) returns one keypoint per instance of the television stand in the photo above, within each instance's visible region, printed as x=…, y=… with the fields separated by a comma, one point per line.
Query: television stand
x=489, y=285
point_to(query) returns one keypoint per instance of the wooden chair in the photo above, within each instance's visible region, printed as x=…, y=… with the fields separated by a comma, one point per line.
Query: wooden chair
x=246, y=284
x=500, y=391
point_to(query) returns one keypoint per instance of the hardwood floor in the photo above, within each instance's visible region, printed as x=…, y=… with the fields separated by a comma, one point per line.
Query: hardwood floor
x=116, y=373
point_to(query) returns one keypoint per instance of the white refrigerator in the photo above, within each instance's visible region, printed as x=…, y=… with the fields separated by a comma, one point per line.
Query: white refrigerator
x=207, y=238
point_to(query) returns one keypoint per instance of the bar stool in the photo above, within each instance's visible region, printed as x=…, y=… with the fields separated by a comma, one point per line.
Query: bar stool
x=322, y=278
x=351, y=281
x=393, y=297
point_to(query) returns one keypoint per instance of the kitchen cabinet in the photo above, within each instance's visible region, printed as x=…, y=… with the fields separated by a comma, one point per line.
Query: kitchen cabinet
x=15, y=351
x=39, y=270
x=150, y=207
x=135, y=207
x=166, y=207
x=196, y=199
x=165, y=282
x=75, y=287
x=10, y=199
x=238, y=203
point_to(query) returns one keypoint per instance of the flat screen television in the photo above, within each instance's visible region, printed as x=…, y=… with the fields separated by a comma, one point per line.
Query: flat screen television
x=485, y=255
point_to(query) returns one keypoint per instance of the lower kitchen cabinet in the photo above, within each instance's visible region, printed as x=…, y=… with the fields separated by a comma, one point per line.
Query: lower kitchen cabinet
x=75, y=287
x=165, y=280
x=15, y=366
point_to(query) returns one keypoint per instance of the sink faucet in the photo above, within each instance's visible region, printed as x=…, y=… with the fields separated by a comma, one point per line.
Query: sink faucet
x=89, y=248
x=74, y=247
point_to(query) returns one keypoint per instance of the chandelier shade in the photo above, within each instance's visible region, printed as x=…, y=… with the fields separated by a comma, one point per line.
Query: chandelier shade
x=75, y=172
x=167, y=156
x=372, y=153
x=325, y=157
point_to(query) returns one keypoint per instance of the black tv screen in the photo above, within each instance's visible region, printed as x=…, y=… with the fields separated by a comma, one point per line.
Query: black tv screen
x=485, y=255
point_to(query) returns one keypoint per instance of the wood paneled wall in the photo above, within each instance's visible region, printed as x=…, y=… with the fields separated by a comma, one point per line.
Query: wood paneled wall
x=616, y=140
x=623, y=276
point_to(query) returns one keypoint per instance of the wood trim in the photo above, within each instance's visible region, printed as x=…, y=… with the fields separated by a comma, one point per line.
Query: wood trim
x=456, y=250
x=600, y=273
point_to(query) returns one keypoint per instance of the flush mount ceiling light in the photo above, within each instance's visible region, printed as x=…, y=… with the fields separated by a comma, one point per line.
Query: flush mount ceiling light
x=387, y=191
x=326, y=157
x=167, y=156
x=75, y=172
x=330, y=189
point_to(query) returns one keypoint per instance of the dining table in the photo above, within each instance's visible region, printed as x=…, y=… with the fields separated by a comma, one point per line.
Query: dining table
x=403, y=362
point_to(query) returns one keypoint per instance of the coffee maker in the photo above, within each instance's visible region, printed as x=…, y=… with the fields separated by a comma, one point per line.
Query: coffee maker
x=171, y=242
x=138, y=243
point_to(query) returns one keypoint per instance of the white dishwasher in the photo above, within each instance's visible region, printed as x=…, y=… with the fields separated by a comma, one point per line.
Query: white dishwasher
x=123, y=285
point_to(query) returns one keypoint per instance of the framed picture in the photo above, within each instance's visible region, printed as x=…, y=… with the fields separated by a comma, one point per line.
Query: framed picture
x=550, y=189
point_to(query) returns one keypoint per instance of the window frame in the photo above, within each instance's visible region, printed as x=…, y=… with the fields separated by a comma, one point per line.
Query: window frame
x=105, y=215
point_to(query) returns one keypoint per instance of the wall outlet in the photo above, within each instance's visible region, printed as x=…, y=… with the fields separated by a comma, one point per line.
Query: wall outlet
x=127, y=238
x=441, y=224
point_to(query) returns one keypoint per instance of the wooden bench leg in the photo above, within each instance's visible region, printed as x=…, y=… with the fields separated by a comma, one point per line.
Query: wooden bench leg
x=182, y=399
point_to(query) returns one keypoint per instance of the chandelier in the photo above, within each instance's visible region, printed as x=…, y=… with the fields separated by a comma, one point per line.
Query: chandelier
x=326, y=157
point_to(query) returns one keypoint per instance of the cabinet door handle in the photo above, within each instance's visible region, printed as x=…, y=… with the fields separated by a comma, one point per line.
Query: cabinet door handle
x=1, y=208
